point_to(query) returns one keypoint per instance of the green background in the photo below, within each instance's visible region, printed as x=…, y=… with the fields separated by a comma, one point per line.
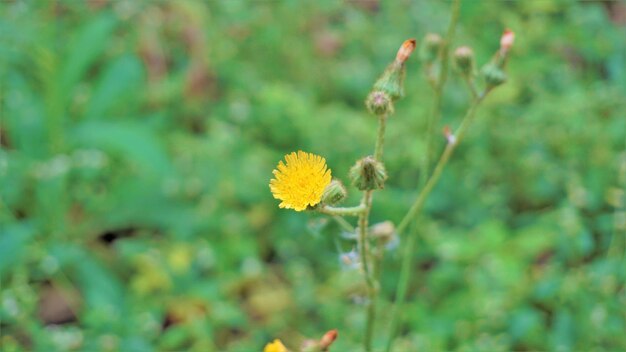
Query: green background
x=138, y=140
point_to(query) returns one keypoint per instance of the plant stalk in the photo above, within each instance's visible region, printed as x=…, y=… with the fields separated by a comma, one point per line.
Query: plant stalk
x=438, y=85
x=341, y=211
x=364, y=247
x=364, y=253
x=414, y=212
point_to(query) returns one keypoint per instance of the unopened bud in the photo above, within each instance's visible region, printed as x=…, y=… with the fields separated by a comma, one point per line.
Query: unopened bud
x=384, y=231
x=391, y=81
x=379, y=103
x=328, y=339
x=334, y=193
x=464, y=60
x=506, y=41
x=494, y=76
x=368, y=174
x=450, y=137
x=429, y=51
x=322, y=345
x=405, y=50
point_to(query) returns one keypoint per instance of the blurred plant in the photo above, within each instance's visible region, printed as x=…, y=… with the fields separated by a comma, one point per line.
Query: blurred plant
x=299, y=184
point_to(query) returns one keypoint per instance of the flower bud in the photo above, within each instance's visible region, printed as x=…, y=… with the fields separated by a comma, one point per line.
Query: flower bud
x=502, y=55
x=429, y=51
x=323, y=345
x=464, y=60
x=494, y=76
x=405, y=50
x=334, y=193
x=391, y=81
x=379, y=103
x=368, y=174
x=447, y=133
x=506, y=41
x=328, y=339
x=384, y=231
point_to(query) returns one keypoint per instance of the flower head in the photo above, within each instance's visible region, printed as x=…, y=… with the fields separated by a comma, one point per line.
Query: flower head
x=300, y=182
x=276, y=346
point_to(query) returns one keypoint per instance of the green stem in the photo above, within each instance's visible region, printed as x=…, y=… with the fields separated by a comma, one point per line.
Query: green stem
x=363, y=248
x=414, y=212
x=380, y=138
x=349, y=211
x=443, y=160
x=439, y=83
x=469, y=81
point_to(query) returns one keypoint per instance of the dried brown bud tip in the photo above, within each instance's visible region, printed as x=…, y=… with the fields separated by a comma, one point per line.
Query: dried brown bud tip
x=405, y=50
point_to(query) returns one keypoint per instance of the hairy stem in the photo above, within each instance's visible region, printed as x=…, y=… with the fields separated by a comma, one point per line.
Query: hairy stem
x=380, y=138
x=364, y=247
x=341, y=211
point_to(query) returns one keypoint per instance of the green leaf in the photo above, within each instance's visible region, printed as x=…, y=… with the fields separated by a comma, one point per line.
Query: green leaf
x=130, y=141
x=119, y=86
x=13, y=241
x=86, y=47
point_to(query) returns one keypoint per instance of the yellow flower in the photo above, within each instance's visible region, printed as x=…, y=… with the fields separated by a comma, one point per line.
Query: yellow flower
x=275, y=346
x=301, y=181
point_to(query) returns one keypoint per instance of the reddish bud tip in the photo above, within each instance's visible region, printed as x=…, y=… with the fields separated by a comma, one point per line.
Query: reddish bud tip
x=328, y=339
x=507, y=39
x=405, y=50
x=447, y=132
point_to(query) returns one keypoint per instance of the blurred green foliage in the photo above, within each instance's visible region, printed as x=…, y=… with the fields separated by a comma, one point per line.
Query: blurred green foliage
x=138, y=139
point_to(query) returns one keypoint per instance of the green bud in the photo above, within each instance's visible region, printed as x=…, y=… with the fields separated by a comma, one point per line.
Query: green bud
x=368, y=174
x=379, y=103
x=392, y=81
x=464, y=60
x=494, y=76
x=429, y=50
x=334, y=193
